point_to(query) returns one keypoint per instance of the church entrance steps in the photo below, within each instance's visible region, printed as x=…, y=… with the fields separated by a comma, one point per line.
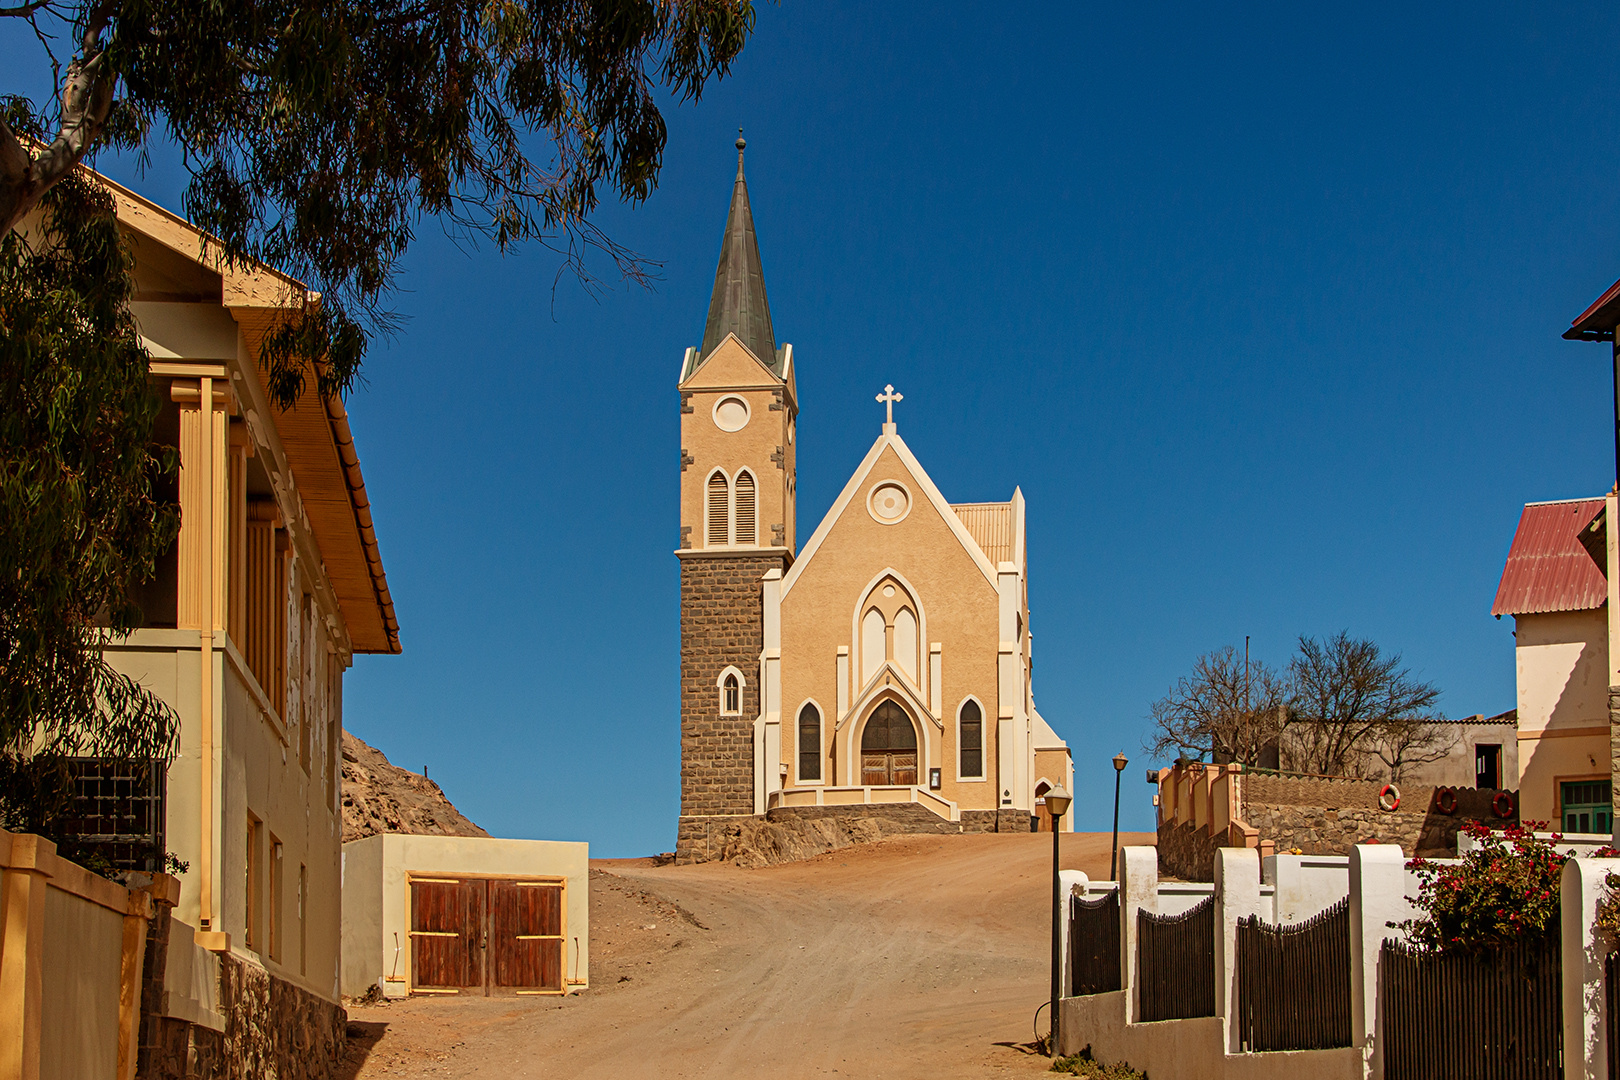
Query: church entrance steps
x=866, y=796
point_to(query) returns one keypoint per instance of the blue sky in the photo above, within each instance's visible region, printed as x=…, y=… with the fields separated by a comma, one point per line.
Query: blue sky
x=1260, y=304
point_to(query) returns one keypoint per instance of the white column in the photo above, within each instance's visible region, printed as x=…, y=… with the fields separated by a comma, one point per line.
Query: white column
x=1012, y=750
x=1377, y=898
x=1586, y=1027
x=770, y=690
x=1237, y=896
x=1071, y=883
x=1138, y=891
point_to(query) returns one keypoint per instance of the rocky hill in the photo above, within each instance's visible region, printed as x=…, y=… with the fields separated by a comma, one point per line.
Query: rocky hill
x=380, y=797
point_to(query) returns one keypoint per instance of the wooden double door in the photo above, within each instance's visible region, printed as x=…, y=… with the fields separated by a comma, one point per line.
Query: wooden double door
x=889, y=748
x=487, y=936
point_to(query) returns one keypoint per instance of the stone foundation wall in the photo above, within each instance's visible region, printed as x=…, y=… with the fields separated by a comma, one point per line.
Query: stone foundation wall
x=791, y=833
x=722, y=623
x=1186, y=852
x=273, y=1029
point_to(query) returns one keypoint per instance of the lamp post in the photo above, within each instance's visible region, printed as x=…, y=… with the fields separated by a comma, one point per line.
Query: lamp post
x=1113, y=857
x=1057, y=804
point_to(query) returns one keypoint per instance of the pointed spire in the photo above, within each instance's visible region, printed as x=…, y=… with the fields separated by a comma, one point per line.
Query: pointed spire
x=738, y=305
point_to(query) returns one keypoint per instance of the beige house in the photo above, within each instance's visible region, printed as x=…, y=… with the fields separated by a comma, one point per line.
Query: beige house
x=887, y=659
x=1558, y=596
x=274, y=585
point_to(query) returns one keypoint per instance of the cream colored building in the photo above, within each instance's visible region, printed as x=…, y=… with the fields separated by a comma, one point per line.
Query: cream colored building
x=274, y=585
x=462, y=915
x=1556, y=592
x=885, y=660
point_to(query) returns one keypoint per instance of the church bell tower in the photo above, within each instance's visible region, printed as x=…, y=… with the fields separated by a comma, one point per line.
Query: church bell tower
x=737, y=537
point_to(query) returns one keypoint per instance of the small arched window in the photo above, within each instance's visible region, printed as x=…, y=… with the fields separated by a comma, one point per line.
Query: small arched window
x=970, y=734
x=731, y=695
x=874, y=645
x=719, y=516
x=905, y=644
x=809, y=743
x=745, y=534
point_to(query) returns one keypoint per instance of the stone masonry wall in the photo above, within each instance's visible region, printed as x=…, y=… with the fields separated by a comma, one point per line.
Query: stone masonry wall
x=790, y=833
x=722, y=623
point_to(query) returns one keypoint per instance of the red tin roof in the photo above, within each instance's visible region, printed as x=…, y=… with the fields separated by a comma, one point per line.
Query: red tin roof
x=1547, y=568
x=1597, y=322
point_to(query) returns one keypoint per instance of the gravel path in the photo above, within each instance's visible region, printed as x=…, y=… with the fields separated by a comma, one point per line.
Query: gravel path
x=914, y=957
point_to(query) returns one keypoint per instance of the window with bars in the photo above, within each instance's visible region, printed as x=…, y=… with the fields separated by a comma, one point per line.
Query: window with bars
x=970, y=732
x=745, y=533
x=1587, y=806
x=719, y=510
x=117, y=813
x=809, y=743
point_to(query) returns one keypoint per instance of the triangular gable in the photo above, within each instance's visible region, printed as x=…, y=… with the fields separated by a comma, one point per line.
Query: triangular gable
x=730, y=364
x=856, y=482
x=900, y=686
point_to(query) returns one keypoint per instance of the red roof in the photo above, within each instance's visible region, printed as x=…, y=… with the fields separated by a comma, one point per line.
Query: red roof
x=1597, y=322
x=1547, y=568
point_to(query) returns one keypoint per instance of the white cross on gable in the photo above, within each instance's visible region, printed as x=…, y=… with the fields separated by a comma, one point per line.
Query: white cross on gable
x=889, y=397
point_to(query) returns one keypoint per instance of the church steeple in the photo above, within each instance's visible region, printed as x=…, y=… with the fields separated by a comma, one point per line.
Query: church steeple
x=738, y=305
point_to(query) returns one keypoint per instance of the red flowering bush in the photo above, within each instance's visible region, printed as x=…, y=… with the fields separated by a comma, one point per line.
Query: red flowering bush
x=1502, y=892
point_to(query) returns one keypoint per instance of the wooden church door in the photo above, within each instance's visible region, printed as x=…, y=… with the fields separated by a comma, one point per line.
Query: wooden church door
x=889, y=748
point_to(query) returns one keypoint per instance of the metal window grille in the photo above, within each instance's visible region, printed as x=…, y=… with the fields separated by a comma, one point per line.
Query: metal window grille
x=118, y=811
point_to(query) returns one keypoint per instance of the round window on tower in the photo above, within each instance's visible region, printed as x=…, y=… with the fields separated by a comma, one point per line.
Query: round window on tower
x=889, y=502
x=731, y=414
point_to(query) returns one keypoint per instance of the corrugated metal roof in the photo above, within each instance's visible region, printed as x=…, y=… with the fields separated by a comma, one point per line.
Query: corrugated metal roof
x=1597, y=322
x=1547, y=568
x=991, y=526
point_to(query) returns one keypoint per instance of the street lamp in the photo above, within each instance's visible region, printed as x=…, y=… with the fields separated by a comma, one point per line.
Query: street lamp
x=1057, y=804
x=1113, y=858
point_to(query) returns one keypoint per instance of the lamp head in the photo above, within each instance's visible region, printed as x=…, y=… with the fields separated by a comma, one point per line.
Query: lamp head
x=1057, y=802
x=1120, y=762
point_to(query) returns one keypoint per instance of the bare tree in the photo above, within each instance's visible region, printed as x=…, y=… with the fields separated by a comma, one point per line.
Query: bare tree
x=1227, y=707
x=1350, y=700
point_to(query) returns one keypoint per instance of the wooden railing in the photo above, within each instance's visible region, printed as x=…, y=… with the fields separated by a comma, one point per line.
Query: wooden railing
x=1469, y=1015
x=1175, y=959
x=1094, y=945
x=1294, y=982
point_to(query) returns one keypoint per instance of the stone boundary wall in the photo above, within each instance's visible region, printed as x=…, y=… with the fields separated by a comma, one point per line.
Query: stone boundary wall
x=1186, y=852
x=791, y=833
x=273, y=1029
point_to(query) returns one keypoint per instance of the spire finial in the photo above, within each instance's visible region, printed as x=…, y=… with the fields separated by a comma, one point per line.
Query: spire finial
x=741, y=145
x=889, y=397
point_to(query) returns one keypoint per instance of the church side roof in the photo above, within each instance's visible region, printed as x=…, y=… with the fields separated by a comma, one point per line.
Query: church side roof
x=991, y=526
x=738, y=305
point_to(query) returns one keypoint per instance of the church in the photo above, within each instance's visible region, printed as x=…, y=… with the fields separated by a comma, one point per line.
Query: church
x=886, y=659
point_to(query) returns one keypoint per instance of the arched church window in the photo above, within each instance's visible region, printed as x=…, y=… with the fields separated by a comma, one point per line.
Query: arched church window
x=809, y=743
x=970, y=740
x=719, y=516
x=905, y=644
x=874, y=648
x=745, y=509
x=732, y=697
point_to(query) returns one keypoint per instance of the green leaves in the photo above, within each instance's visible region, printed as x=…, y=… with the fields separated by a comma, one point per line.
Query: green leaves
x=1504, y=890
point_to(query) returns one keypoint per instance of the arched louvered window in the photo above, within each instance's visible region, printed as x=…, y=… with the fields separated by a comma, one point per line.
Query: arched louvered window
x=719, y=510
x=744, y=533
x=732, y=702
x=809, y=743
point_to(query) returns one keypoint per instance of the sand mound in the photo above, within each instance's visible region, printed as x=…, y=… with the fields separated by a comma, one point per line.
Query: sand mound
x=379, y=797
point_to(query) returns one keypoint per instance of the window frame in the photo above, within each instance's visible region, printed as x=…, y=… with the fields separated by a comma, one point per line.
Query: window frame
x=730, y=672
x=798, y=743
x=967, y=778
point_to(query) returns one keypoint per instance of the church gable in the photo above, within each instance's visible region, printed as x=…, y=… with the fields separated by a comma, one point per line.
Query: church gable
x=730, y=365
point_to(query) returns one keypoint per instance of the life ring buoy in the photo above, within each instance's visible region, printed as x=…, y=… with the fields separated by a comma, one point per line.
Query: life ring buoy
x=1390, y=797
x=1445, y=800
x=1502, y=805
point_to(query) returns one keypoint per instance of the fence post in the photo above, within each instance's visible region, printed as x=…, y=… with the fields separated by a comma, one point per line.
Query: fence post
x=1070, y=883
x=1138, y=889
x=1237, y=896
x=1377, y=898
x=1585, y=1006
x=23, y=882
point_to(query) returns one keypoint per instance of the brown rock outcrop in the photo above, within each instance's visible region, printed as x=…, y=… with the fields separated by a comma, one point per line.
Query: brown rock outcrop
x=380, y=797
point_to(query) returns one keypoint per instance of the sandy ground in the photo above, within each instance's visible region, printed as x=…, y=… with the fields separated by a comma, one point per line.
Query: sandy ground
x=921, y=956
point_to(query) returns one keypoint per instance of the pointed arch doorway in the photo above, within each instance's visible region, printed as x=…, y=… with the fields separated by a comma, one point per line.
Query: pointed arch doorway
x=889, y=748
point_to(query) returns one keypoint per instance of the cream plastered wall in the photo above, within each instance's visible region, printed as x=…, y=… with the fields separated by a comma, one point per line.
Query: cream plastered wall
x=83, y=946
x=1054, y=767
x=254, y=765
x=376, y=889
x=732, y=371
x=1562, y=664
x=958, y=607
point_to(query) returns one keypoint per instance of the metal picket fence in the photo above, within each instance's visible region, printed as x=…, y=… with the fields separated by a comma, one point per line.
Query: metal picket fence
x=1175, y=963
x=1094, y=945
x=1294, y=982
x=1473, y=1016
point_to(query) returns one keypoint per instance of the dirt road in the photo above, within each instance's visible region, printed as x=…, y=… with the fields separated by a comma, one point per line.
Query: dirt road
x=915, y=957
